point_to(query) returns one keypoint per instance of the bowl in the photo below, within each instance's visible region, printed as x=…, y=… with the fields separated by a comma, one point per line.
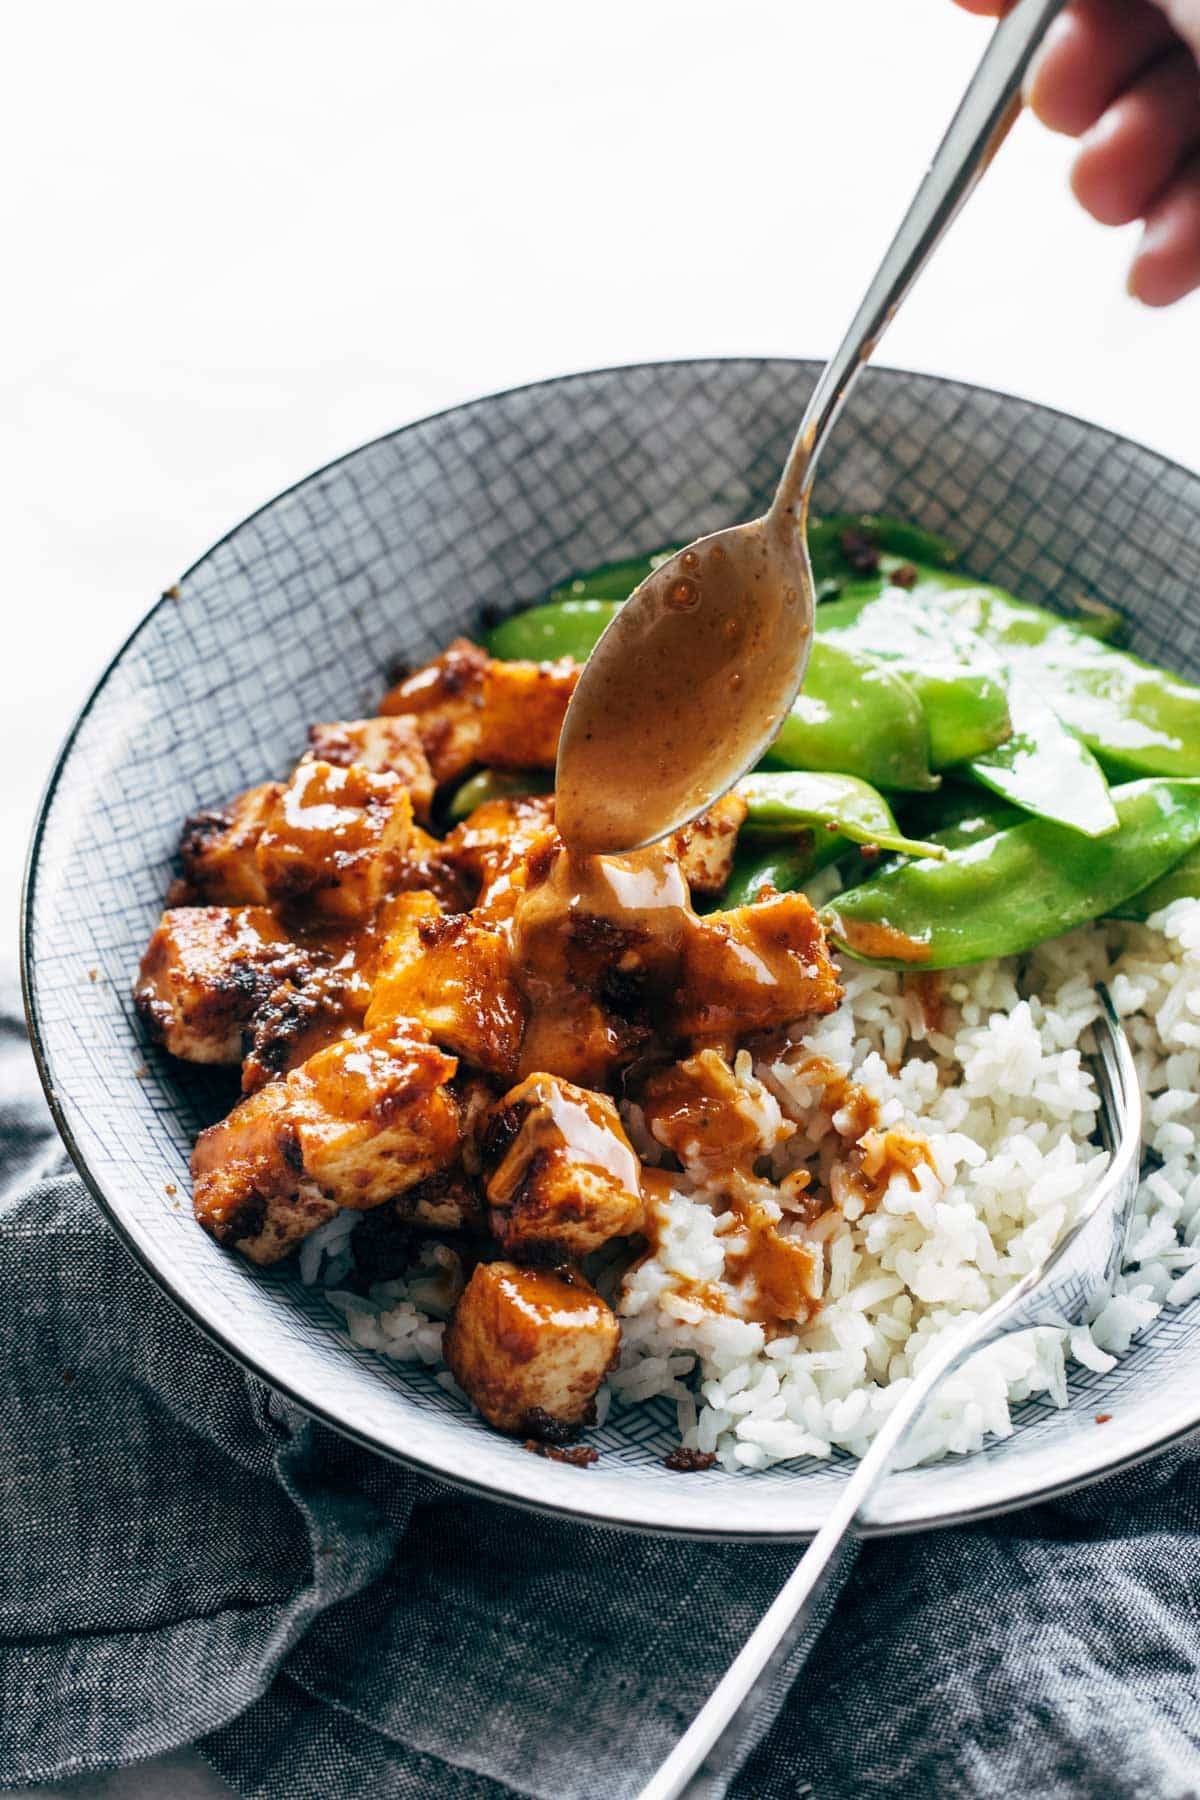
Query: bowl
x=295, y=616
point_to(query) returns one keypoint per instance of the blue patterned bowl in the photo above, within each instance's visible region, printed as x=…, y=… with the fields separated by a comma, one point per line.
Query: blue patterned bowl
x=389, y=552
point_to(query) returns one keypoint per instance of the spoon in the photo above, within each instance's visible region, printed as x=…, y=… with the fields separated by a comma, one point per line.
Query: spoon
x=697, y=671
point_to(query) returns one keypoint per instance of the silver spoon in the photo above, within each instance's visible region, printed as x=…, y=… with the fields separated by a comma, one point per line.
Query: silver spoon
x=697, y=671
x=1054, y=1294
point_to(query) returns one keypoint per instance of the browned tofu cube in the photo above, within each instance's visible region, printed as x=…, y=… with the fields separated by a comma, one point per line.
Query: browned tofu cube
x=294, y=1022
x=337, y=837
x=564, y=1178
x=492, y=847
x=452, y=973
x=753, y=969
x=218, y=848
x=609, y=926
x=206, y=972
x=523, y=705
x=446, y=700
x=388, y=746
x=530, y=1347
x=697, y=1110
x=359, y=1123
x=705, y=848
x=571, y=1035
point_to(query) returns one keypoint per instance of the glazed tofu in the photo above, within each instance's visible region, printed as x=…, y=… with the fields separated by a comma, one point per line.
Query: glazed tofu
x=753, y=969
x=698, y=1110
x=573, y=1036
x=206, y=972
x=337, y=837
x=387, y=746
x=452, y=973
x=359, y=1123
x=530, y=1347
x=445, y=698
x=293, y=1023
x=219, y=847
x=522, y=708
x=492, y=847
x=564, y=1178
x=704, y=849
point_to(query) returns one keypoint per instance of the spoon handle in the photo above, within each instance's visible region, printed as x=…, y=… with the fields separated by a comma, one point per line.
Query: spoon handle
x=977, y=130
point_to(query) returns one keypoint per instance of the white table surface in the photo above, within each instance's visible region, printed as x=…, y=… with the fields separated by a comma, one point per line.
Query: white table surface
x=243, y=237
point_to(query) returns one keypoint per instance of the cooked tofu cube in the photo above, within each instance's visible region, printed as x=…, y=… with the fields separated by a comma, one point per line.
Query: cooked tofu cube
x=530, y=1347
x=522, y=708
x=705, y=848
x=206, y=972
x=359, y=1123
x=564, y=1176
x=492, y=847
x=571, y=1035
x=218, y=848
x=698, y=1110
x=753, y=969
x=293, y=1023
x=446, y=700
x=452, y=973
x=336, y=836
x=388, y=746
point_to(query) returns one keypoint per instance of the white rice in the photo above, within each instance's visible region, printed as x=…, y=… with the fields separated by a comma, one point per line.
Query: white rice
x=998, y=1087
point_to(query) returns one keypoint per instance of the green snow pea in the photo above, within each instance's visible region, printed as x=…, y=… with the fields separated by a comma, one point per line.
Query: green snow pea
x=612, y=581
x=957, y=815
x=1181, y=882
x=855, y=716
x=967, y=711
x=1137, y=719
x=1044, y=768
x=544, y=633
x=782, y=804
x=496, y=784
x=1011, y=890
x=1041, y=765
x=783, y=865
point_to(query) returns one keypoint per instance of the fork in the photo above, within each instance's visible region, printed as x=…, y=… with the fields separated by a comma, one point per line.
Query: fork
x=1055, y=1293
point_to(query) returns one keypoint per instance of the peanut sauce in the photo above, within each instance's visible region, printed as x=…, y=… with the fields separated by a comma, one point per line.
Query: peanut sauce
x=877, y=941
x=685, y=690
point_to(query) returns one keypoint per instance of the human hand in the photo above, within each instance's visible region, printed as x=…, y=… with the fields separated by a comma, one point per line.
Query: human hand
x=1124, y=76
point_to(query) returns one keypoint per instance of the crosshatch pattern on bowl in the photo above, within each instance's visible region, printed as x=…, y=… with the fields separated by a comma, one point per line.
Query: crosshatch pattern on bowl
x=388, y=553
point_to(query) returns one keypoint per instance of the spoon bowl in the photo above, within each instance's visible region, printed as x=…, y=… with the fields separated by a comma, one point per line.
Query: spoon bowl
x=687, y=687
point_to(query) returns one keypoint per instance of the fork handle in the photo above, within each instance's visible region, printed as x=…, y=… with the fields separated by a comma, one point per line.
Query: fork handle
x=756, y=1680
x=975, y=133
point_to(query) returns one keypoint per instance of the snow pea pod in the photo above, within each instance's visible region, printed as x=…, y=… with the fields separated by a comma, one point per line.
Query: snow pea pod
x=496, y=784
x=544, y=633
x=784, y=866
x=967, y=712
x=802, y=800
x=855, y=716
x=1181, y=882
x=1016, y=887
x=1041, y=765
x=1137, y=719
x=1043, y=768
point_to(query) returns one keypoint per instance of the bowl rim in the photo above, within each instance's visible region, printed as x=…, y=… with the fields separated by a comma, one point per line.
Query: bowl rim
x=226, y=1340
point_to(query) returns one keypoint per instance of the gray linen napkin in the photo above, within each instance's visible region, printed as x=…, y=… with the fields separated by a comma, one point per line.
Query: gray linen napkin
x=189, y=1560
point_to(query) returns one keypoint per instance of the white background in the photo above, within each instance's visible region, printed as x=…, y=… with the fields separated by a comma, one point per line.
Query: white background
x=241, y=236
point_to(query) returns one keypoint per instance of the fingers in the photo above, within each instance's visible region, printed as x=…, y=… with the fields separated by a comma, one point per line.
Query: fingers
x=1129, y=156
x=1091, y=54
x=1167, y=265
